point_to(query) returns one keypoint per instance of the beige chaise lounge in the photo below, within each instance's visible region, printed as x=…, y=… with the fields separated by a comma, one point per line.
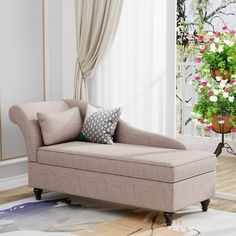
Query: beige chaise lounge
x=141, y=169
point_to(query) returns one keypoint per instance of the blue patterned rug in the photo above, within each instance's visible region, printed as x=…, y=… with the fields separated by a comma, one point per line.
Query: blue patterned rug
x=63, y=215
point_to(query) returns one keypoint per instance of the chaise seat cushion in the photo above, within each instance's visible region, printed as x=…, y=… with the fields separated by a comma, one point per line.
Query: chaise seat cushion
x=158, y=164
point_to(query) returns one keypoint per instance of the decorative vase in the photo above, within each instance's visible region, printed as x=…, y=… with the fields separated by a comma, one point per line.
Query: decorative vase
x=221, y=128
x=217, y=73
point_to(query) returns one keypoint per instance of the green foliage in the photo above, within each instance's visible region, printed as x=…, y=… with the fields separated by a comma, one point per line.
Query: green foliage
x=215, y=51
x=200, y=7
x=206, y=107
x=182, y=26
x=218, y=51
x=202, y=16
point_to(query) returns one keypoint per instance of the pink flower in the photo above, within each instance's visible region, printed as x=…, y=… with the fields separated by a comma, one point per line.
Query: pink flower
x=232, y=81
x=198, y=60
x=211, y=92
x=204, y=84
x=225, y=117
x=233, y=130
x=217, y=34
x=208, y=128
x=224, y=27
x=233, y=31
x=201, y=38
x=197, y=78
x=211, y=39
x=227, y=90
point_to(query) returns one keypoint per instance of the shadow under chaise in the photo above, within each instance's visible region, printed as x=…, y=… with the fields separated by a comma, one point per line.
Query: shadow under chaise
x=141, y=169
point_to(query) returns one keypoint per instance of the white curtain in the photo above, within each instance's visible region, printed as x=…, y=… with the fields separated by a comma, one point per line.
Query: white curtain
x=133, y=74
x=96, y=24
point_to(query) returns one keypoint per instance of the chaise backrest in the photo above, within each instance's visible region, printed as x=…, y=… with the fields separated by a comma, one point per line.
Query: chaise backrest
x=82, y=105
x=25, y=116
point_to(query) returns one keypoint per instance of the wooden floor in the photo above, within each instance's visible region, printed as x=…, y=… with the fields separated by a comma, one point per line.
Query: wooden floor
x=226, y=182
x=226, y=174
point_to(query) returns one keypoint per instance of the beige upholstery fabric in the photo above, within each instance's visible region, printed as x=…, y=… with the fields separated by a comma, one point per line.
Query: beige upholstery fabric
x=96, y=24
x=25, y=117
x=58, y=127
x=120, y=189
x=155, y=172
x=160, y=164
x=82, y=105
x=128, y=134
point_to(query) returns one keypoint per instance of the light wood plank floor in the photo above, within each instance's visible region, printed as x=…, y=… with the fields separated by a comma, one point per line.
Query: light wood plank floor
x=226, y=175
x=226, y=182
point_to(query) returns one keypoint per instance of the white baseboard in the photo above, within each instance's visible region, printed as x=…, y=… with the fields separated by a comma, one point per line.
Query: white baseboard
x=205, y=143
x=225, y=196
x=13, y=182
x=14, y=167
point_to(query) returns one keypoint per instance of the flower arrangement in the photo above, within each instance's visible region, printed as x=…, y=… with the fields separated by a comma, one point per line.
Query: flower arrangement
x=216, y=79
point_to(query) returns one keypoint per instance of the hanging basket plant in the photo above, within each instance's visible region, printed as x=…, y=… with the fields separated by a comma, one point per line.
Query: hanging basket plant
x=216, y=82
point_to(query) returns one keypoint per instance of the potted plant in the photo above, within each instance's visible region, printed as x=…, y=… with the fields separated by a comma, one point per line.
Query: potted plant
x=217, y=53
x=216, y=82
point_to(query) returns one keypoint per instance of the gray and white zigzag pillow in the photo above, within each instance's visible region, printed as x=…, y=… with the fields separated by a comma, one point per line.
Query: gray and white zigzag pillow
x=100, y=126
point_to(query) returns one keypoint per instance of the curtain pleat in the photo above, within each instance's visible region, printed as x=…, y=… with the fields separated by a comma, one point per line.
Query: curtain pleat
x=96, y=24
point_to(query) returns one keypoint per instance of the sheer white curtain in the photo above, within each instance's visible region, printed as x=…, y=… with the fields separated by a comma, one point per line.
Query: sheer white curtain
x=133, y=74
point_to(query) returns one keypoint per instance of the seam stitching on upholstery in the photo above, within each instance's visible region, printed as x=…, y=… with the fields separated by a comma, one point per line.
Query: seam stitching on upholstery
x=106, y=158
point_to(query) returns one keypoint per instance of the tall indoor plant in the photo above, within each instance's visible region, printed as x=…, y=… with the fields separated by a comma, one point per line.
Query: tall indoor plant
x=216, y=81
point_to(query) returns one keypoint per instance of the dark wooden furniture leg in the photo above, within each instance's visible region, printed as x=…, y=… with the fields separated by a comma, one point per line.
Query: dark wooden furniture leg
x=168, y=217
x=38, y=192
x=205, y=205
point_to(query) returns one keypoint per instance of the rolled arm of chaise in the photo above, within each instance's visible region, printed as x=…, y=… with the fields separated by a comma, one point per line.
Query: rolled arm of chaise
x=25, y=116
x=130, y=135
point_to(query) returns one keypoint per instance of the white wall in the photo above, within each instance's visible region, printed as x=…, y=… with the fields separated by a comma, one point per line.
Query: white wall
x=21, y=66
x=21, y=61
x=60, y=48
x=21, y=78
x=68, y=47
x=53, y=49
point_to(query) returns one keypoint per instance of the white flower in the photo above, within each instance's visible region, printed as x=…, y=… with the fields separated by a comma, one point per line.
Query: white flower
x=210, y=34
x=225, y=94
x=218, y=78
x=221, y=121
x=222, y=84
x=231, y=99
x=220, y=48
x=217, y=40
x=213, y=98
x=201, y=47
x=213, y=47
x=216, y=92
x=228, y=42
x=198, y=115
x=229, y=59
x=233, y=76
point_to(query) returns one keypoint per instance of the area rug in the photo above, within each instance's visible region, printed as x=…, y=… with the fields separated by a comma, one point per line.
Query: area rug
x=64, y=215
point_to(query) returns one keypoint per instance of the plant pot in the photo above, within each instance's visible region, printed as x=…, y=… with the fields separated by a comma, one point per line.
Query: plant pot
x=221, y=128
x=217, y=73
